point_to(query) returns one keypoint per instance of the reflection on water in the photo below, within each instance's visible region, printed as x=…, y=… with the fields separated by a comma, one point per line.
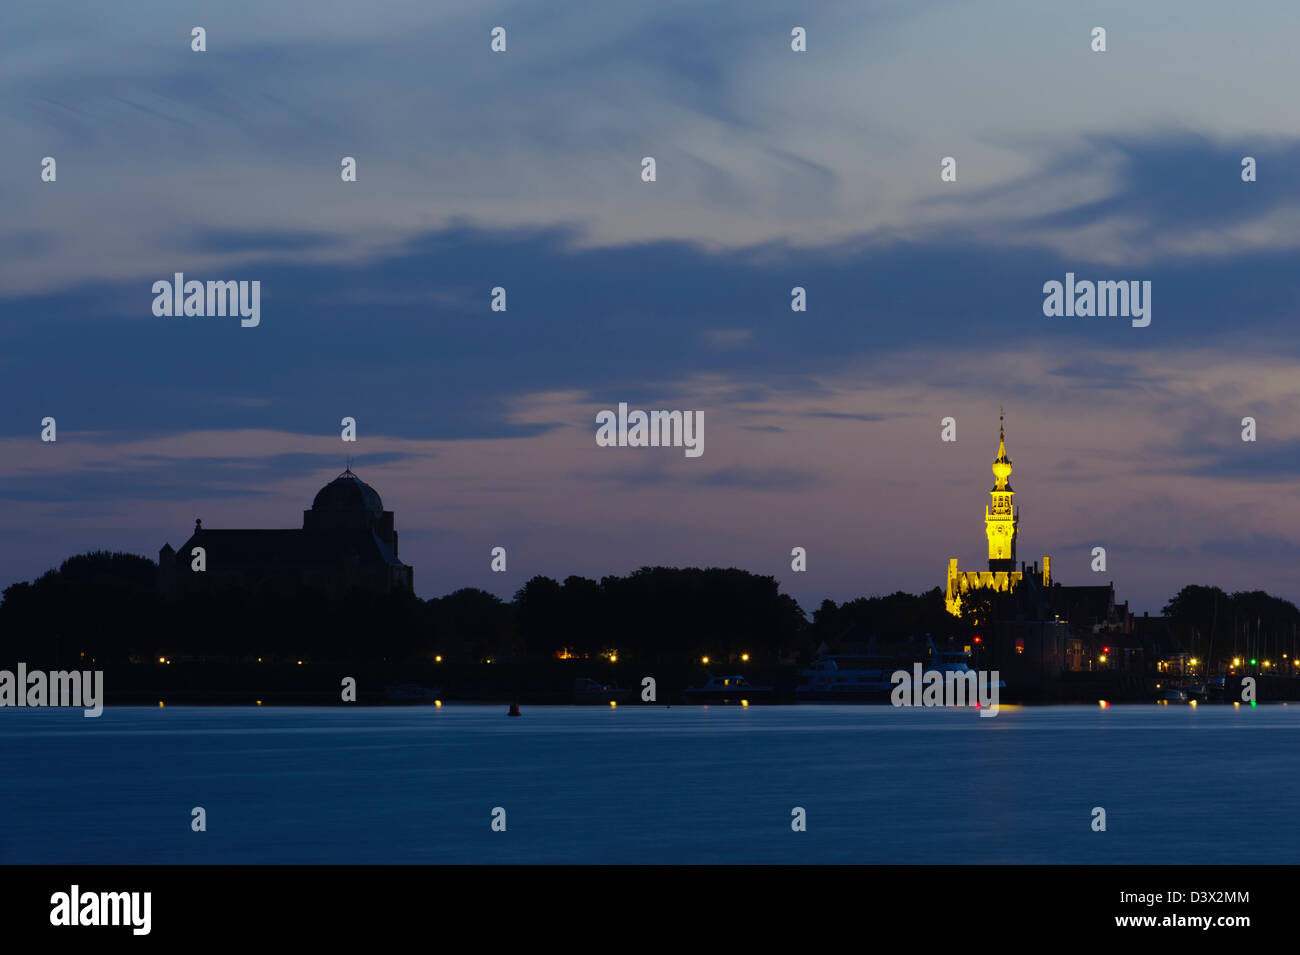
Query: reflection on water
x=651, y=784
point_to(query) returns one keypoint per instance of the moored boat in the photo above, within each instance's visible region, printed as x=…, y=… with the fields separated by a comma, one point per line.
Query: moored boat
x=869, y=677
x=587, y=691
x=727, y=689
x=846, y=678
x=954, y=661
x=409, y=693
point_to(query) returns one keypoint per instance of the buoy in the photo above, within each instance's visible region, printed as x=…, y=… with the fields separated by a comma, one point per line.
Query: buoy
x=514, y=710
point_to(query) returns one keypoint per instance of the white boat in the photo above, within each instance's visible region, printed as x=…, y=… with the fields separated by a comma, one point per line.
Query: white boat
x=846, y=678
x=954, y=661
x=870, y=677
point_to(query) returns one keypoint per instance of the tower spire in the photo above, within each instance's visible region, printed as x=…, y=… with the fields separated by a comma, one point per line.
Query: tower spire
x=1002, y=463
x=1000, y=518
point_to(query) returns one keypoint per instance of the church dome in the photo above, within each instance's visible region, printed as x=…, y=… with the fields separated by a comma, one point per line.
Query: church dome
x=347, y=492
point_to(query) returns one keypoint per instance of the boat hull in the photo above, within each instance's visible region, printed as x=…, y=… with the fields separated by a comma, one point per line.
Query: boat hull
x=745, y=694
x=410, y=695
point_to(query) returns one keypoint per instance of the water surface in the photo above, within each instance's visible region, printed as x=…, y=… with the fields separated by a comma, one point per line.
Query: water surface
x=651, y=784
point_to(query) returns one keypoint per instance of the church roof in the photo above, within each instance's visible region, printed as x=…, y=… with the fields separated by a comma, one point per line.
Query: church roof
x=347, y=492
x=289, y=549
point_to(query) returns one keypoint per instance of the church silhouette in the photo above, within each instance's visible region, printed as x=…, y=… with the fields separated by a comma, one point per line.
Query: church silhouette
x=347, y=542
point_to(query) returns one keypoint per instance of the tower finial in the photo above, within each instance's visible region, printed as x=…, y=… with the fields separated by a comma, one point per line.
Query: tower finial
x=1002, y=463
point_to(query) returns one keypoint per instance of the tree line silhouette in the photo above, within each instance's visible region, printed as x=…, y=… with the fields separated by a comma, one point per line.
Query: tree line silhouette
x=105, y=607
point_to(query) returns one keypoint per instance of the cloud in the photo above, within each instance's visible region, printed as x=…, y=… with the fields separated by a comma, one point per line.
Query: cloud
x=159, y=477
x=765, y=479
x=846, y=416
x=755, y=143
x=254, y=242
x=427, y=358
x=1254, y=548
x=1267, y=460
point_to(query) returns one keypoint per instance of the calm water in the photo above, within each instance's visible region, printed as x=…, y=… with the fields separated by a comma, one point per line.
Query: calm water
x=651, y=784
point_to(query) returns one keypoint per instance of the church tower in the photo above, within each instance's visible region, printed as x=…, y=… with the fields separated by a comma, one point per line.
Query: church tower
x=1001, y=526
x=1001, y=518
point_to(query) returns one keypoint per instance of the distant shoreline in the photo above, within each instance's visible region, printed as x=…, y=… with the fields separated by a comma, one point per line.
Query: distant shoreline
x=553, y=683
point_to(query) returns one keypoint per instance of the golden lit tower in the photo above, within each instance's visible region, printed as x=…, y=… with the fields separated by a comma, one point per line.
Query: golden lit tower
x=1001, y=526
x=1000, y=517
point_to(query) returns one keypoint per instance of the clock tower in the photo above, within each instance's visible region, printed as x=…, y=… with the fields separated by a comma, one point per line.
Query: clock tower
x=1001, y=517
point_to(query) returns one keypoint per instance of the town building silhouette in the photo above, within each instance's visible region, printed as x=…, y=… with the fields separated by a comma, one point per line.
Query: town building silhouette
x=347, y=542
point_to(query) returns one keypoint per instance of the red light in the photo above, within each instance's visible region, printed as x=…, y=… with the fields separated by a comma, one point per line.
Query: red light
x=1105, y=649
x=977, y=640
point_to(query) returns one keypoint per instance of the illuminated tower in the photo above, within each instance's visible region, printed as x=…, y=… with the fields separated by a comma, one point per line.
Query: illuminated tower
x=1002, y=526
x=1001, y=517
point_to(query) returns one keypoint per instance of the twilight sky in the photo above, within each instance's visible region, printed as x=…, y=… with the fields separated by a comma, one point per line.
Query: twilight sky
x=775, y=169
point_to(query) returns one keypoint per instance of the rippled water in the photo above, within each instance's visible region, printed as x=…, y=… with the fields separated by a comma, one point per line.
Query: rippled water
x=652, y=784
